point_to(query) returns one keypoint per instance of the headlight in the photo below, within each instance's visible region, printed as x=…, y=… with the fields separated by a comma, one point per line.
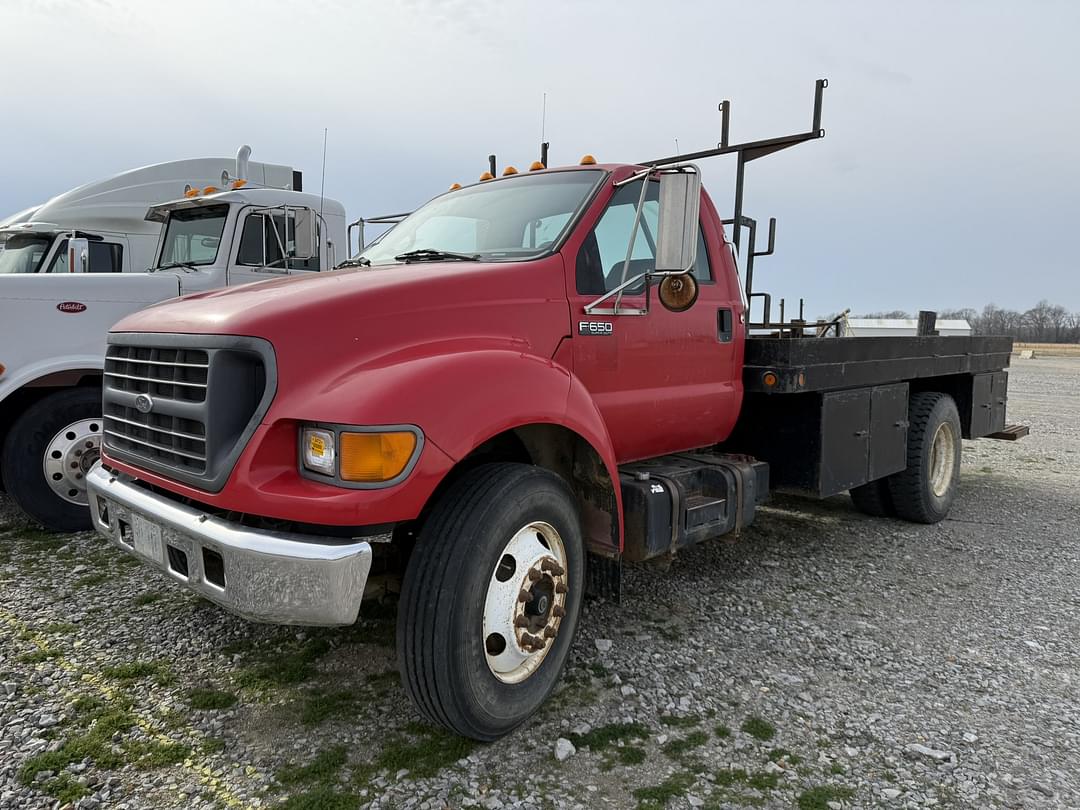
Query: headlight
x=360, y=456
x=319, y=452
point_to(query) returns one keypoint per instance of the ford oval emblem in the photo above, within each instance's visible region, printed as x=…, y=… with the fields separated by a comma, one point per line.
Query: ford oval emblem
x=143, y=403
x=71, y=306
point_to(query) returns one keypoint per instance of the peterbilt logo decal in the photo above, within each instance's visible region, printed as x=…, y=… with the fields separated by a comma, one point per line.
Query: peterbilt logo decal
x=595, y=328
x=71, y=306
x=143, y=403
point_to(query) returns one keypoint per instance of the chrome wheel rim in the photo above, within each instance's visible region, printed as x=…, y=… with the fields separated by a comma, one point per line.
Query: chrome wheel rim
x=942, y=459
x=69, y=457
x=525, y=602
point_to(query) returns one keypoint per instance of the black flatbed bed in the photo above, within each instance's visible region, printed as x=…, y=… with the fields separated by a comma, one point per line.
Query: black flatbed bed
x=806, y=364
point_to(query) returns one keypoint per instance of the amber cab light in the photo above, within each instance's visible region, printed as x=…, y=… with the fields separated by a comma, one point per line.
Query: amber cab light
x=373, y=458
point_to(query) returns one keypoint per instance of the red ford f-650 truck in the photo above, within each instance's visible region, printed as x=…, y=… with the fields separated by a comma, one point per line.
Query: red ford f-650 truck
x=492, y=403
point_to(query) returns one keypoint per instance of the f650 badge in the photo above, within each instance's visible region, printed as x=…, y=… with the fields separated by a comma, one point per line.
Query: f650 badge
x=71, y=306
x=595, y=328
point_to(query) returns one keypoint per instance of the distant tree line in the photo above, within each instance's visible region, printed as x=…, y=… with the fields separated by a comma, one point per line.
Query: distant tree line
x=1043, y=323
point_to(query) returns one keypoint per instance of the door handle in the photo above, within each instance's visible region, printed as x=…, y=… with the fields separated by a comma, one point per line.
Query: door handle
x=724, y=329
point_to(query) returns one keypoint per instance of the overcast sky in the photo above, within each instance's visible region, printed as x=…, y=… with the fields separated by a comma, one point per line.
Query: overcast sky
x=949, y=176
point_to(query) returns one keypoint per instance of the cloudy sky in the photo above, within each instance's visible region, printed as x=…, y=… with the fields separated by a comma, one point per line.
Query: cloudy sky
x=949, y=177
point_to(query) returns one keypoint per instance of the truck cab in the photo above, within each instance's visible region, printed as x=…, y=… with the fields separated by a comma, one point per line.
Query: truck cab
x=64, y=289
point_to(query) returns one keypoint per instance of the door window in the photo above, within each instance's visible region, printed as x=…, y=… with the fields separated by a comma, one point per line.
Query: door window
x=103, y=257
x=602, y=255
x=269, y=230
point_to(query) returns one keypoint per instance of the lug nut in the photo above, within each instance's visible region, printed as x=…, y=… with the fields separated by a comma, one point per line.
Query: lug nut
x=524, y=596
x=560, y=587
x=534, y=575
x=553, y=568
x=558, y=611
x=549, y=632
x=521, y=621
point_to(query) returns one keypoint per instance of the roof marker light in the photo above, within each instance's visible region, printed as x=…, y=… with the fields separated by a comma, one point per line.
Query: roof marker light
x=210, y=190
x=455, y=186
x=190, y=192
x=238, y=184
x=486, y=176
x=536, y=166
x=509, y=170
x=587, y=160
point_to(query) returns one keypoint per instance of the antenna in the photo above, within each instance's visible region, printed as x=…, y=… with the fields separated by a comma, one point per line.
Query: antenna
x=322, y=183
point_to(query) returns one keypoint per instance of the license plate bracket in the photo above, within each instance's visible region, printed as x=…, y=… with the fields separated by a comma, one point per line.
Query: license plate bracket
x=147, y=538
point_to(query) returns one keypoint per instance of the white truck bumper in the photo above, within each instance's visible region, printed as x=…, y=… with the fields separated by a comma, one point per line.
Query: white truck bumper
x=264, y=576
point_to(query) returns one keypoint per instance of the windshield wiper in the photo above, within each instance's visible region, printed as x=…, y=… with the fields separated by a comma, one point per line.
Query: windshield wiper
x=359, y=261
x=186, y=265
x=432, y=255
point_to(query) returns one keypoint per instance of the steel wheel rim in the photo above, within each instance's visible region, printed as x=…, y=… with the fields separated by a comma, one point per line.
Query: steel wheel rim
x=525, y=602
x=942, y=459
x=68, y=458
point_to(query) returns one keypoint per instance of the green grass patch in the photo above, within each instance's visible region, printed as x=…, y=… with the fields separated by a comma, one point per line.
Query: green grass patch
x=630, y=754
x=323, y=797
x=94, y=743
x=603, y=736
x=781, y=754
x=212, y=745
x=758, y=728
x=818, y=798
x=722, y=731
x=423, y=757
x=731, y=776
x=147, y=598
x=291, y=664
x=38, y=655
x=320, y=704
x=684, y=745
x=323, y=767
x=64, y=789
x=655, y=796
x=136, y=670
x=837, y=768
x=151, y=754
x=674, y=721
x=598, y=670
x=90, y=580
x=210, y=699
x=763, y=781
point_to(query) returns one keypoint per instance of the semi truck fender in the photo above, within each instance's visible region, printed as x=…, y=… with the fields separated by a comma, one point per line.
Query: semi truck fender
x=493, y=392
x=52, y=373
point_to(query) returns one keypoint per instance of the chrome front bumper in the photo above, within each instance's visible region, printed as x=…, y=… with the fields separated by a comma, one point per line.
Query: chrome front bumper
x=264, y=576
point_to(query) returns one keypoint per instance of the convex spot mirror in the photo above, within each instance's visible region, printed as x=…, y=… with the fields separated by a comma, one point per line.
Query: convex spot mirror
x=678, y=293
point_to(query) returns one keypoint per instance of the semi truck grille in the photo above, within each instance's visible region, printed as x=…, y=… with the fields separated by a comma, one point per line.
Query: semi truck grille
x=184, y=406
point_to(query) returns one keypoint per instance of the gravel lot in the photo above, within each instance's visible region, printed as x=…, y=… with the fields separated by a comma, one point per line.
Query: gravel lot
x=825, y=660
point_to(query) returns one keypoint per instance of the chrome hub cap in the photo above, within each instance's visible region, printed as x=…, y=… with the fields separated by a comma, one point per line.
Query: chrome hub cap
x=942, y=459
x=525, y=602
x=69, y=456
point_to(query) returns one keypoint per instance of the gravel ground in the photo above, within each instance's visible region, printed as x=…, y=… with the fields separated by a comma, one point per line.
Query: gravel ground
x=825, y=660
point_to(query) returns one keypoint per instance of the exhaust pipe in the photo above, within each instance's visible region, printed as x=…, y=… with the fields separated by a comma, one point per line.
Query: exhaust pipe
x=242, y=155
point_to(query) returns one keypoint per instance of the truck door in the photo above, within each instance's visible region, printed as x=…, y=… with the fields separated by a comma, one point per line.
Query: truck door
x=664, y=381
x=264, y=233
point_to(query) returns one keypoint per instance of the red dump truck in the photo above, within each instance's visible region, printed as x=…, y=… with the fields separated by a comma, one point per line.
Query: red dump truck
x=491, y=404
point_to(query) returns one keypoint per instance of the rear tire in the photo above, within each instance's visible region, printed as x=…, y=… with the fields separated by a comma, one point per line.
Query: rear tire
x=462, y=661
x=42, y=431
x=924, y=492
x=874, y=499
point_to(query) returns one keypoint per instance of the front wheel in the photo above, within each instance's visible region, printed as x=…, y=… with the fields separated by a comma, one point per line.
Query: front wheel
x=491, y=600
x=48, y=452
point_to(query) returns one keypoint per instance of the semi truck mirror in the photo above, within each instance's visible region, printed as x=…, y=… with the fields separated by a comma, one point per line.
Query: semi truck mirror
x=305, y=235
x=78, y=255
x=677, y=225
x=679, y=292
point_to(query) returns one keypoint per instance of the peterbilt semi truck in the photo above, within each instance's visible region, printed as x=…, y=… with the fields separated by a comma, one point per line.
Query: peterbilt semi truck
x=527, y=382
x=74, y=266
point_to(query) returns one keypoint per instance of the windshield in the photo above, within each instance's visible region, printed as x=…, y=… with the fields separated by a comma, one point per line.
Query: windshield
x=24, y=253
x=192, y=235
x=515, y=218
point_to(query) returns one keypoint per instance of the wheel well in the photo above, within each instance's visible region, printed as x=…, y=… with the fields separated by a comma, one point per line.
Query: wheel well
x=569, y=456
x=18, y=401
x=957, y=386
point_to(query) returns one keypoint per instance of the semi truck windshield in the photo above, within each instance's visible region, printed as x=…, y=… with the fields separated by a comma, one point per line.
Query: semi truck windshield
x=193, y=235
x=511, y=219
x=24, y=253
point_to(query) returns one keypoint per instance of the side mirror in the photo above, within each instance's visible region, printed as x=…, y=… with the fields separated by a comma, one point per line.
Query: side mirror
x=78, y=255
x=678, y=220
x=304, y=244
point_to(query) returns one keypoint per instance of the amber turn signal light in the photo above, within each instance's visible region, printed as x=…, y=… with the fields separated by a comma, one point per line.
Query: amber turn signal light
x=374, y=458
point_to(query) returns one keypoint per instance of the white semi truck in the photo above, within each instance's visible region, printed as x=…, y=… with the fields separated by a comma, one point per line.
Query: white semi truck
x=61, y=291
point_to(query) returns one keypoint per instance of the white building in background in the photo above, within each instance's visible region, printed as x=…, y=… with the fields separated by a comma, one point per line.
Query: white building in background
x=888, y=327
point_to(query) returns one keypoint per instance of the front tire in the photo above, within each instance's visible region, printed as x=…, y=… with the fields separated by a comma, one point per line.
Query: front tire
x=491, y=600
x=924, y=492
x=46, y=456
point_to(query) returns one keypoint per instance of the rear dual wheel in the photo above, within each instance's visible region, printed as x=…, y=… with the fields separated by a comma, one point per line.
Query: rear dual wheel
x=491, y=600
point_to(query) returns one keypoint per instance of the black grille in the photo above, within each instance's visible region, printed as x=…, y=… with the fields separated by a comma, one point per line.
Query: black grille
x=184, y=405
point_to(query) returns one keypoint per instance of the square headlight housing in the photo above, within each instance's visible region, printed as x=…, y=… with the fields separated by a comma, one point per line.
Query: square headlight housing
x=318, y=450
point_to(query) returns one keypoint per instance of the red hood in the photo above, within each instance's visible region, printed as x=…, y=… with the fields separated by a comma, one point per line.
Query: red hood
x=373, y=312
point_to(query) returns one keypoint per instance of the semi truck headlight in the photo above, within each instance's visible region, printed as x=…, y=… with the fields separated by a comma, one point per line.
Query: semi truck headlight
x=360, y=456
x=318, y=450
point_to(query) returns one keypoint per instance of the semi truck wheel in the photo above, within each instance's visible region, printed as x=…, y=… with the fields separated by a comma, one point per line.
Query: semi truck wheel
x=48, y=452
x=491, y=600
x=924, y=491
x=873, y=498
